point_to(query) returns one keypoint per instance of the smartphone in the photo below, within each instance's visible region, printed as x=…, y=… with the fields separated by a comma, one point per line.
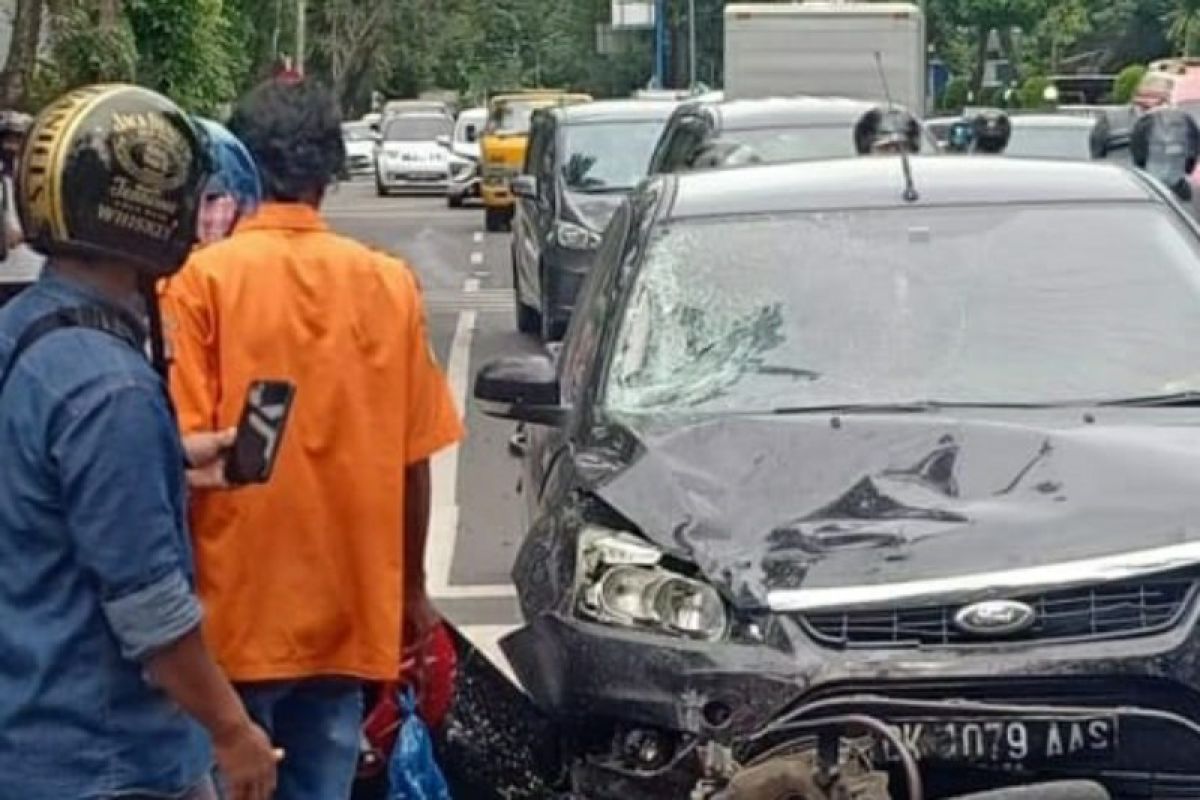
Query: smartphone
x=260, y=432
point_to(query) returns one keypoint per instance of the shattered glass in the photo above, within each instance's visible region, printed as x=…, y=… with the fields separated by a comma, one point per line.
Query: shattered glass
x=996, y=304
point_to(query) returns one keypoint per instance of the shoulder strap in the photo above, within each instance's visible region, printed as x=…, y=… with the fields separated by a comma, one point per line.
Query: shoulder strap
x=116, y=323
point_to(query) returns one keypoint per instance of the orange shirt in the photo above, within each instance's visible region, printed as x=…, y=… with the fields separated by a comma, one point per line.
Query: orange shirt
x=302, y=577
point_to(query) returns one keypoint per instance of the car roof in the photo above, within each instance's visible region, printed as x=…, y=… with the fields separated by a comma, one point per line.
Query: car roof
x=770, y=112
x=878, y=182
x=1054, y=121
x=605, y=110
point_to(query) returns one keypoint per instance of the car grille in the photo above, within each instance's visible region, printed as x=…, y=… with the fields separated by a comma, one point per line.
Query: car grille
x=500, y=171
x=1138, y=607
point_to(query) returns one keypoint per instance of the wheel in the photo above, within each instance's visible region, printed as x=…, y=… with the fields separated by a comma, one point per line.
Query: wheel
x=454, y=200
x=552, y=330
x=493, y=220
x=380, y=190
x=529, y=320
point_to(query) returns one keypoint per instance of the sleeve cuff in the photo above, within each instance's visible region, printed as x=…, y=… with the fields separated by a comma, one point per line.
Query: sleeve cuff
x=154, y=616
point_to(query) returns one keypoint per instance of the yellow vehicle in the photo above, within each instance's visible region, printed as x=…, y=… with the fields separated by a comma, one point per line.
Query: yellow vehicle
x=505, y=139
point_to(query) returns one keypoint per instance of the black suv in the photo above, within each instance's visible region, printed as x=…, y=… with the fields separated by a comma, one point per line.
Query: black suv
x=705, y=134
x=828, y=478
x=581, y=163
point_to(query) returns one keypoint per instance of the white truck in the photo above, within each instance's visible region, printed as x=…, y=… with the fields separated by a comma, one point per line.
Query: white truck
x=826, y=50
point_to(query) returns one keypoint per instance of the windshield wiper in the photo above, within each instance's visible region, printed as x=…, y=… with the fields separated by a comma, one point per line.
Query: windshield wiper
x=1188, y=398
x=914, y=407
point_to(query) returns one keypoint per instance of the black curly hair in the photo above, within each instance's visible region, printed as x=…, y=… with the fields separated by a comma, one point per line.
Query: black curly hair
x=293, y=129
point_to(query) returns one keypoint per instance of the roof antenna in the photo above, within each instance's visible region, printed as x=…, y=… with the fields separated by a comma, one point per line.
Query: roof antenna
x=910, y=187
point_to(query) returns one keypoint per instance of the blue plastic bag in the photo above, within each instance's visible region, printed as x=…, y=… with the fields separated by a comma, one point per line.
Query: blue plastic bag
x=413, y=772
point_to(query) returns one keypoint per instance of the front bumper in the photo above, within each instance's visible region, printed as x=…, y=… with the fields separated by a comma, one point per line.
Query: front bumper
x=586, y=675
x=463, y=189
x=393, y=175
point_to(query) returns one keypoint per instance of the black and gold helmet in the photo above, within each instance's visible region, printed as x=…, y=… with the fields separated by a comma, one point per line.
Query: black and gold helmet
x=114, y=172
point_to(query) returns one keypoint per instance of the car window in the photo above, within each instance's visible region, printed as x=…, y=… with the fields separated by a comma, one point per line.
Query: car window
x=512, y=116
x=984, y=304
x=537, y=144
x=417, y=129
x=593, y=310
x=608, y=156
x=357, y=132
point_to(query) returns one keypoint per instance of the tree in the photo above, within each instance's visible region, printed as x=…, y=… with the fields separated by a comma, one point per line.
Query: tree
x=347, y=36
x=22, y=52
x=1127, y=83
x=1183, y=18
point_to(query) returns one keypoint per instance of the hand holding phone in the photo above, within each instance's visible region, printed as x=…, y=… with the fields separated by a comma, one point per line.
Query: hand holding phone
x=260, y=431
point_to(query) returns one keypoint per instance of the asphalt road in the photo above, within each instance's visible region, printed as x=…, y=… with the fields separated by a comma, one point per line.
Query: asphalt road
x=478, y=515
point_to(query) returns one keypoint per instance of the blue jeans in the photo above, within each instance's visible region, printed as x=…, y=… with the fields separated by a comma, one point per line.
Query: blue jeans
x=318, y=724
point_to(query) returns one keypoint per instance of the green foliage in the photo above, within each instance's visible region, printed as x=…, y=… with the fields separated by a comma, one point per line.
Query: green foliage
x=1127, y=82
x=1033, y=92
x=186, y=50
x=955, y=96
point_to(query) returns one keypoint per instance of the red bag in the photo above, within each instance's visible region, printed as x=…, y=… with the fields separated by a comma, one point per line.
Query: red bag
x=429, y=668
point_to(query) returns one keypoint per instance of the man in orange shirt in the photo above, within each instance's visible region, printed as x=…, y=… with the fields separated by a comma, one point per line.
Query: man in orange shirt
x=302, y=577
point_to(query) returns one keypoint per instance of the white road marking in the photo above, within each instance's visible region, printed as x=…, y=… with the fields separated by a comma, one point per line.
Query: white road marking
x=478, y=237
x=443, y=522
x=476, y=259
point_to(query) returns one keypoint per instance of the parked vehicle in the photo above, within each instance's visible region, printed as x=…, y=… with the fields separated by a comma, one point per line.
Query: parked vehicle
x=704, y=135
x=465, y=157
x=582, y=162
x=821, y=465
x=360, y=142
x=505, y=140
x=394, y=108
x=409, y=156
x=826, y=49
x=1061, y=136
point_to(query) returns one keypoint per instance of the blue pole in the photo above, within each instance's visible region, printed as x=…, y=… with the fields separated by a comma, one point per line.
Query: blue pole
x=660, y=43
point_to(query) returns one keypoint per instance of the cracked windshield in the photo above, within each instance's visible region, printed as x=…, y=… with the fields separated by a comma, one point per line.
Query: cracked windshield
x=962, y=305
x=600, y=400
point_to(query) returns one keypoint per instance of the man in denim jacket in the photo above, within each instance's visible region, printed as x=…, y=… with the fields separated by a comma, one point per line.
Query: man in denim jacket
x=107, y=689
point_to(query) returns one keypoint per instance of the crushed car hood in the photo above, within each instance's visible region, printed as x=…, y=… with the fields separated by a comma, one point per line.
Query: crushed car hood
x=805, y=511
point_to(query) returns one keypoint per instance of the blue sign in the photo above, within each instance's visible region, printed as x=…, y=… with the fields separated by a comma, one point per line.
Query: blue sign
x=939, y=78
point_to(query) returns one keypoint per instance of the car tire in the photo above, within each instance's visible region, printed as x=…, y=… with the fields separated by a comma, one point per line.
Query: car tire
x=493, y=220
x=529, y=319
x=380, y=190
x=551, y=329
x=454, y=200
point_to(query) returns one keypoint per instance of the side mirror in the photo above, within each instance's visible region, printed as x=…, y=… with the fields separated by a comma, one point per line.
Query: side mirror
x=525, y=186
x=522, y=388
x=472, y=134
x=443, y=141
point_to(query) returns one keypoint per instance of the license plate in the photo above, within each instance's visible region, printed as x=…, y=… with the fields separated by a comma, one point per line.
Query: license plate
x=999, y=740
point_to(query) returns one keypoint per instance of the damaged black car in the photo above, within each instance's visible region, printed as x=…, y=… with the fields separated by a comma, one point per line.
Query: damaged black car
x=846, y=491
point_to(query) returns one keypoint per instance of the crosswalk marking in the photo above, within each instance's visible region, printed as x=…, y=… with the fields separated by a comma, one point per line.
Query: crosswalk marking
x=455, y=300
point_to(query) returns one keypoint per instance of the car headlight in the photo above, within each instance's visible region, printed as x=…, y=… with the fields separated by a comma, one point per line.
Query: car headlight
x=576, y=237
x=623, y=582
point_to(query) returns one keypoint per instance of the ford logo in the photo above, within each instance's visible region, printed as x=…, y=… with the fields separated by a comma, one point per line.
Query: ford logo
x=995, y=618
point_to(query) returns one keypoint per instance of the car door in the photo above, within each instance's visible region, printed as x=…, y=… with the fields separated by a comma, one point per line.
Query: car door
x=526, y=247
x=545, y=467
x=545, y=210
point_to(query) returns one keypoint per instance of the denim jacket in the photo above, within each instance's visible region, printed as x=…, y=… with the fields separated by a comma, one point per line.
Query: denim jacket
x=95, y=566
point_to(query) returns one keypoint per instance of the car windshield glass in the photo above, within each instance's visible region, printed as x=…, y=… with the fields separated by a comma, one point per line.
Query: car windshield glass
x=777, y=145
x=1035, y=141
x=417, y=129
x=986, y=304
x=608, y=156
x=513, y=116
x=356, y=133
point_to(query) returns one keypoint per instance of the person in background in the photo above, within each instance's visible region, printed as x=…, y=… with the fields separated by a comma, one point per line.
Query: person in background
x=107, y=688
x=990, y=132
x=311, y=581
x=19, y=264
x=234, y=189
x=880, y=132
x=1166, y=143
